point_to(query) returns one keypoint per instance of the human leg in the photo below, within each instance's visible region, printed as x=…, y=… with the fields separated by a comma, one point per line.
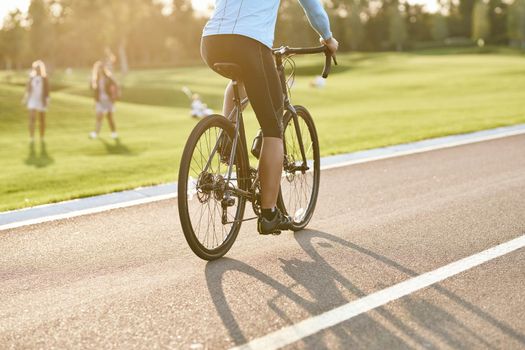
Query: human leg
x=98, y=124
x=42, y=124
x=263, y=88
x=112, y=125
x=229, y=104
x=32, y=117
x=270, y=170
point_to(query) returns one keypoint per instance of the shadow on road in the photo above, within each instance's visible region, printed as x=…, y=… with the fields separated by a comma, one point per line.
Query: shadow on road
x=40, y=160
x=323, y=283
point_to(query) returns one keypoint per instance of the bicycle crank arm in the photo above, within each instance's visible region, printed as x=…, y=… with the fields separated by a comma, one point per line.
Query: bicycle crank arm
x=238, y=221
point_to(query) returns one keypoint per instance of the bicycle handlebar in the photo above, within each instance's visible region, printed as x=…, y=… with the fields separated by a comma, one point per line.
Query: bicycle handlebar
x=288, y=51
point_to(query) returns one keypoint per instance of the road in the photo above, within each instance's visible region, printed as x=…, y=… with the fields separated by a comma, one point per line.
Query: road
x=127, y=279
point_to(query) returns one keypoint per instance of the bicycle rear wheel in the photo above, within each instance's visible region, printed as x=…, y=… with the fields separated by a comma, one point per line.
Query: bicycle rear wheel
x=202, y=185
x=299, y=188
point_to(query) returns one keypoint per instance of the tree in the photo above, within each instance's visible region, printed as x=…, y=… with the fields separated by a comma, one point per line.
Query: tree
x=40, y=30
x=122, y=17
x=439, y=27
x=419, y=23
x=356, y=25
x=185, y=30
x=346, y=22
x=498, y=12
x=147, y=40
x=83, y=29
x=397, y=26
x=480, y=22
x=516, y=24
x=292, y=26
x=13, y=39
x=466, y=8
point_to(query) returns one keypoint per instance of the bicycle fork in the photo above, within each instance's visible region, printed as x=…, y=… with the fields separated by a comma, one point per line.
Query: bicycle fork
x=304, y=166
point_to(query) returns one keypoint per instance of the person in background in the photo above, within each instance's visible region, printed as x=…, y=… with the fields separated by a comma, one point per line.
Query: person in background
x=37, y=98
x=109, y=59
x=199, y=109
x=105, y=90
x=318, y=82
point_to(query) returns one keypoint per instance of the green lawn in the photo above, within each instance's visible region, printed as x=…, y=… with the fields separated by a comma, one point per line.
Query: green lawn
x=371, y=100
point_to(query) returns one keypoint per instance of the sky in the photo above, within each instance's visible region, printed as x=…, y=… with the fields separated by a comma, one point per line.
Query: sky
x=9, y=5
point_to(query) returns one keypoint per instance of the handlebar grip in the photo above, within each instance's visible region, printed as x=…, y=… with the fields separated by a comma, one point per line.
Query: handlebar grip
x=327, y=63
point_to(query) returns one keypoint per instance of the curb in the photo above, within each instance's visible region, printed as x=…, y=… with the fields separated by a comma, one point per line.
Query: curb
x=143, y=195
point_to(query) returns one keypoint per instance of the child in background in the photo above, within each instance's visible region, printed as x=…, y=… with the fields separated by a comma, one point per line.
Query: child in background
x=37, y=98
x=109, y=59
x=199, y=109
x=105, y=91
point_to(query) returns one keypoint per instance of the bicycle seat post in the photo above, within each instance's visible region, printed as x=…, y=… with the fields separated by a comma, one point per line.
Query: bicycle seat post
x=236, y=95
x=227, y=201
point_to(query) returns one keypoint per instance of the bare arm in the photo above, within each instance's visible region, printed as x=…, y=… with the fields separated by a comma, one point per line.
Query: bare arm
x=26, y=92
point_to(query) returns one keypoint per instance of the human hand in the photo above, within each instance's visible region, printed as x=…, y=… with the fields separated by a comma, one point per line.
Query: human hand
x=332, y=44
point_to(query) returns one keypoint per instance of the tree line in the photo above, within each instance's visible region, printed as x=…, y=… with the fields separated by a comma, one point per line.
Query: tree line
x=69, y=33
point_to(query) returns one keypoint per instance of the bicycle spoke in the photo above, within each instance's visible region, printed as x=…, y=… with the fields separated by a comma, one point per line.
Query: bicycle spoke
x=297, y=186
x=206, y=177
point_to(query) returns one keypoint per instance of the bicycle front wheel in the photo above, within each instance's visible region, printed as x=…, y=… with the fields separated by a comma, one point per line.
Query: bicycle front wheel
x=209, y=228
x=299, y=185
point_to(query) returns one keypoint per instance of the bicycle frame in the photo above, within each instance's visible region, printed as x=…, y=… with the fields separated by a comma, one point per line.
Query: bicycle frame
x=216, y=181
x=288, y=108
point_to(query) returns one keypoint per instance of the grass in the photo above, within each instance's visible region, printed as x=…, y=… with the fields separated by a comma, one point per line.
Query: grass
x=371, y=100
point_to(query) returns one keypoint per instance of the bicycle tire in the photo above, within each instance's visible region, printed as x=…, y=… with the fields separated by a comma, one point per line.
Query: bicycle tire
x=290, y=202
x=204, y=131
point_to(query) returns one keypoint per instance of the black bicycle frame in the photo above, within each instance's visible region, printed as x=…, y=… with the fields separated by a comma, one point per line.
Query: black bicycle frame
x=237, y=111
x=288, y=107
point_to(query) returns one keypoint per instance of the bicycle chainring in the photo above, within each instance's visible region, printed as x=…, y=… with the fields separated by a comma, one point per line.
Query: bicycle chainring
x=256, y=203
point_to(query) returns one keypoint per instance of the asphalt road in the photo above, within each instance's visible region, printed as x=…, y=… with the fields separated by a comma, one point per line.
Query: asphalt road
x=126, y=278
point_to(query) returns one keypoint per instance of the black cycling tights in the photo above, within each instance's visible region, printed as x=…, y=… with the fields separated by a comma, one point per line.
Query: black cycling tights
x=259, y=75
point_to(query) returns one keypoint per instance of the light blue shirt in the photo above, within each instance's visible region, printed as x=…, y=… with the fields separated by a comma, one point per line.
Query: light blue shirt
x=256, y=19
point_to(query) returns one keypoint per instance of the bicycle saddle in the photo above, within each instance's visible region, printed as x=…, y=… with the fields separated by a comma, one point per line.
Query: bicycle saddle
x=229, y=70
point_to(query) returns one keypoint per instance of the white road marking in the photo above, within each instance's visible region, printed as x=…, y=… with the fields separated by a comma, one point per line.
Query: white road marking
x=305, y=328
x=462, y=139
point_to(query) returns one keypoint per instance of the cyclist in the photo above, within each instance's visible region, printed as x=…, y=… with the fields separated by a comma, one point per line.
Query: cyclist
x=105, y=91
x=242, y=32
x=37, y=98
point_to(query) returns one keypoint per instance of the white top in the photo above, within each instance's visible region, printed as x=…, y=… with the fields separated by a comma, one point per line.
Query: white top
x=34, y=100
x=102, y=95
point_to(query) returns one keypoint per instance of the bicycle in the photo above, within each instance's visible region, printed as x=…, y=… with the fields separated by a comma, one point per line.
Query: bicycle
x=215, y=176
